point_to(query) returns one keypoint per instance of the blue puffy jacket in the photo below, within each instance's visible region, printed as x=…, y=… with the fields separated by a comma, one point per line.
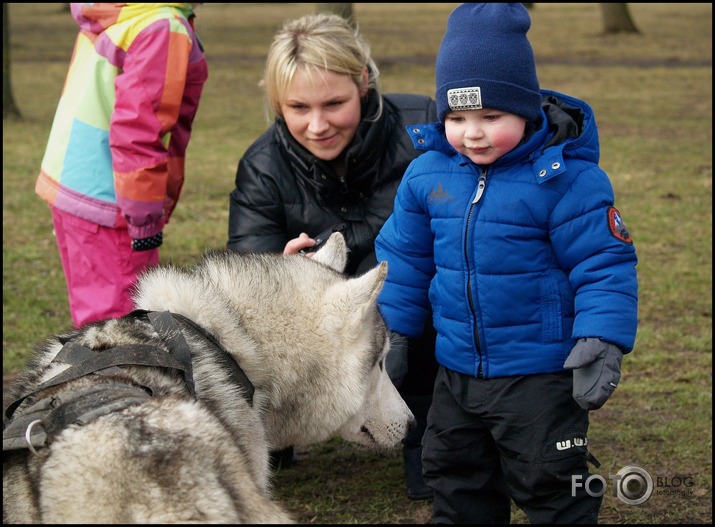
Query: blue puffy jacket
x=519, y=258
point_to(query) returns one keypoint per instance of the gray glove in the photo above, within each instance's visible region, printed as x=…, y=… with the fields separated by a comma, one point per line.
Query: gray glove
x=597, y=370
x=396, y=360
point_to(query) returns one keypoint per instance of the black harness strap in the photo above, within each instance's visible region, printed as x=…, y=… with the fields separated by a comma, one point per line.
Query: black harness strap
x=137, y=354
x=225, y=358
x=81, y=405
x=169, y=330
x=73, y=353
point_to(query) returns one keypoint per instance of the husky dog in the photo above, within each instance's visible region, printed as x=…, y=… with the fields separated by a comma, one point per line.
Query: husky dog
x=168, y=415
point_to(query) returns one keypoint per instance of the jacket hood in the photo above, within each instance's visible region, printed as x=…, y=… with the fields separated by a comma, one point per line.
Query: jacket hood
x=97, y=17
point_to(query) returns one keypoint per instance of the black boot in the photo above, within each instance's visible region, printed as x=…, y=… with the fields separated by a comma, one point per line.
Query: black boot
x=416, y=488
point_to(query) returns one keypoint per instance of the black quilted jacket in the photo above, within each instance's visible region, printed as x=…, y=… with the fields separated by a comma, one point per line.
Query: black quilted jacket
x=283, y=190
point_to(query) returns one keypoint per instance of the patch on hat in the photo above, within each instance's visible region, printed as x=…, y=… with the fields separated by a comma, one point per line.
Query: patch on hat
x=618, y=228
x=465, y=98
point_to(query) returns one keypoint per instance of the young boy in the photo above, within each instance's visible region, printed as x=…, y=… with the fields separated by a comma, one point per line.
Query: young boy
x=507, y=225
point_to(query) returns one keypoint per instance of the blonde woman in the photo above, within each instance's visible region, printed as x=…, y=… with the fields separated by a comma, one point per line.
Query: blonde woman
x=332, y=159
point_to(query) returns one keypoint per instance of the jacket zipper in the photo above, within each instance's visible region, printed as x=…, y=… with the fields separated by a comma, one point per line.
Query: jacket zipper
x=481, y=187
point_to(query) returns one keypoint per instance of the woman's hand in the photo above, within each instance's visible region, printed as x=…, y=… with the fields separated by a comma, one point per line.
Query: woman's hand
x=296, y=244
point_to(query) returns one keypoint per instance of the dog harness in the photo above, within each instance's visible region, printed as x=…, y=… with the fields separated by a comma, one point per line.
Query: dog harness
x=36, y=425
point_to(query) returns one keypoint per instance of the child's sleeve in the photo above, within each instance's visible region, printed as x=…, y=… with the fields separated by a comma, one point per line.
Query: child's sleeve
x=406, y=242
x=592, y=243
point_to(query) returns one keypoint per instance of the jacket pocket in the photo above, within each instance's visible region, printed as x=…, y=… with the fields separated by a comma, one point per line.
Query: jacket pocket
x=436, y=309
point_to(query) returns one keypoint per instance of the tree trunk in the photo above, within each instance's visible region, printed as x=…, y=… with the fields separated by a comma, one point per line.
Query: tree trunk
x=9, y=108
x=344, y=10
x=617, y=19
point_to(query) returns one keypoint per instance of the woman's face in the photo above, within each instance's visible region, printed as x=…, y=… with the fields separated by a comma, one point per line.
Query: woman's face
x=322, y=111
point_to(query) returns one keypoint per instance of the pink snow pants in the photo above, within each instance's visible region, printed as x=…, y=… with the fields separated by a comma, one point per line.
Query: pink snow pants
x=100, y=267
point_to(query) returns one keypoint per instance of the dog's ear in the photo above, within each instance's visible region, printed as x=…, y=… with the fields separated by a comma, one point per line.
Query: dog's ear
x=355, y=299
x=365, y=288
x=334, y=253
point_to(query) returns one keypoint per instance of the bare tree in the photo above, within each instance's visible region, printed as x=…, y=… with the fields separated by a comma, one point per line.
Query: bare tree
x=617, y=19
x=9, y=108
x=344, y=10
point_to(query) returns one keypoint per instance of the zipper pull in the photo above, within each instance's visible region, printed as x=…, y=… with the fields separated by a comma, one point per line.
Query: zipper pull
x=481, y=186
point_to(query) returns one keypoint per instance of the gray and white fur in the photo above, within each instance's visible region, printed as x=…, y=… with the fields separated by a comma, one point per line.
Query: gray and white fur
x=309, y=338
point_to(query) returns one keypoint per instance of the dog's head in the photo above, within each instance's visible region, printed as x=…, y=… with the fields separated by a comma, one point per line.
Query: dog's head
x=376, y=414
x=310, y=338
x=333, y=368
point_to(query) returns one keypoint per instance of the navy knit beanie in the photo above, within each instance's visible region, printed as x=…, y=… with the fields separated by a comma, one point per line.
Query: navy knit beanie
x=486, y=61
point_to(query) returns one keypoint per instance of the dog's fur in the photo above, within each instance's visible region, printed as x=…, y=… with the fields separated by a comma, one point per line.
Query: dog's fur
x=311, y=341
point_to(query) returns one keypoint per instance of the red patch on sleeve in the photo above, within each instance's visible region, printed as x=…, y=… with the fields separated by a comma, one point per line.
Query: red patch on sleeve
x=617, y=227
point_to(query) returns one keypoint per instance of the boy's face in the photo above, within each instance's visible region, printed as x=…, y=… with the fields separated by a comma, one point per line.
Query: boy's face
x=483, y=135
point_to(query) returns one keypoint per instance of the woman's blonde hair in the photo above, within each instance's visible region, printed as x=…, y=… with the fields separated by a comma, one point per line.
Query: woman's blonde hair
x=316, y=42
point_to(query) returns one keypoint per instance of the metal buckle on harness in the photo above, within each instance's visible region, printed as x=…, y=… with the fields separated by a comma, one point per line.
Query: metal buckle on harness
x=28, y=435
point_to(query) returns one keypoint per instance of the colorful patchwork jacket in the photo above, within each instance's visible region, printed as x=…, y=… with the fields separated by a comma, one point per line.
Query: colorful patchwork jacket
x=115, y=154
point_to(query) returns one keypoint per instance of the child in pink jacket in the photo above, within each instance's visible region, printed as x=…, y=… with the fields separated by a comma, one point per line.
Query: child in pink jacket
x=114, y=164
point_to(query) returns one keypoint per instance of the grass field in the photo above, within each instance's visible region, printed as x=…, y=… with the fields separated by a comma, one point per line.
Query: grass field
x=652, y=95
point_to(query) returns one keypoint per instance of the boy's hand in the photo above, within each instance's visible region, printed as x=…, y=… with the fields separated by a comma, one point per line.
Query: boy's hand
x=597, y=370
